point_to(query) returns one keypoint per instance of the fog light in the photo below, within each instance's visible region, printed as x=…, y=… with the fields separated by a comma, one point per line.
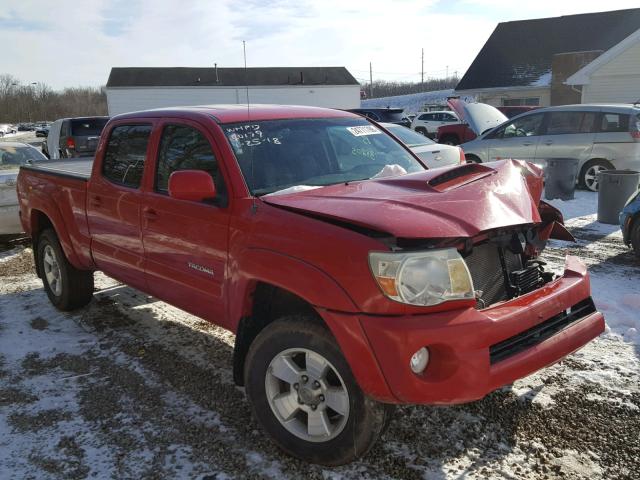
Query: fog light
x=419, y=360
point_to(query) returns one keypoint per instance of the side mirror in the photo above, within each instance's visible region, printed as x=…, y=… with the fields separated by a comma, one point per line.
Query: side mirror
x=192, y=185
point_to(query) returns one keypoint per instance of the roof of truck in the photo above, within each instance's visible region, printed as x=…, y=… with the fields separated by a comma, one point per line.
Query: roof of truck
x=242, y=112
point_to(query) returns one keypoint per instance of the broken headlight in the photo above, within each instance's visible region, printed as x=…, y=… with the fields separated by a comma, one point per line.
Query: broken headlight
x=422, y=278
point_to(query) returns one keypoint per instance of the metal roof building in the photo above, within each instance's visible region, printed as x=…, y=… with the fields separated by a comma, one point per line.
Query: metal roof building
x=141, y=88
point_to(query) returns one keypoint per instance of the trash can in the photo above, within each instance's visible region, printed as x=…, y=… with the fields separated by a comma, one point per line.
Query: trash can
x=560, y=178
x=614, y=189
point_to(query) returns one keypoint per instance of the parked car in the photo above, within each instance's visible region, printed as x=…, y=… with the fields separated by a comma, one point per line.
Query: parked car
x=457, y=133
x=433, y=154
x=12, y=156
x=73, y=137
x=388, y=115
x=6, y=129
x=348, y=291
x=42, y=131
x=630, y=223
x=427, y=123
x=601, y=137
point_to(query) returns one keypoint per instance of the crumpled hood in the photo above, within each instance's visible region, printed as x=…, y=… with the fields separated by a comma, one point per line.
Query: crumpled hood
x=452, y=202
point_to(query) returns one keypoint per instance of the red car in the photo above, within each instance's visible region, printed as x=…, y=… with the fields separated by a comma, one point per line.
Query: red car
x=458, y=133
x=353, y=277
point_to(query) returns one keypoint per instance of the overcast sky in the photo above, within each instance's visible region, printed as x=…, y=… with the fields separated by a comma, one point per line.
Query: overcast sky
x=67, y=43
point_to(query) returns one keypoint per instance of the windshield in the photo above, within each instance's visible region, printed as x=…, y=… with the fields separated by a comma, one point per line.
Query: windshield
x=11, y=157
x=278, y=154
x=408, y=136
x=88, y=126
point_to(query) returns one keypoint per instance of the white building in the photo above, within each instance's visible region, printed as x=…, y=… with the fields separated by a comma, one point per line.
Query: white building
x=613, y=77
x=132, y=89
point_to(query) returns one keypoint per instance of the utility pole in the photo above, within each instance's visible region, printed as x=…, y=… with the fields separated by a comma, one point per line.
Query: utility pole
x=370, y=81
x=422, y=72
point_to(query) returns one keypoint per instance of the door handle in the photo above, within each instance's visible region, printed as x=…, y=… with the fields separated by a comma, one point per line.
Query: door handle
x=150, y=214
x=95, y=201
x=548, y=143
x=527, y=144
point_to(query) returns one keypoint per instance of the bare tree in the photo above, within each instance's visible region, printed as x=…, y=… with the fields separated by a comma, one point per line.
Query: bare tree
x=37, y=101
x=385, y=88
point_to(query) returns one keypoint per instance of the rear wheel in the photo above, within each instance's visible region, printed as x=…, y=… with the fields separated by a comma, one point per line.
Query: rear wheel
x=472, y=159
x=67, y=287
x=589, y=173
x=303, y=394
x=422, y=130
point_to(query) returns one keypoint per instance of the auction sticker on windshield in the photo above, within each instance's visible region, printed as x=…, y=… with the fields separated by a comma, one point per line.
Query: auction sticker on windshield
x=363, y=130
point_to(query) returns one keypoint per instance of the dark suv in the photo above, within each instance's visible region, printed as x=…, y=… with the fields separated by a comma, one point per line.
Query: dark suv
x=387, y=115
x=73, y=137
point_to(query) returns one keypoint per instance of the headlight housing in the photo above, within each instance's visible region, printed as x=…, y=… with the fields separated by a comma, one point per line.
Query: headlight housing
x=422, y=278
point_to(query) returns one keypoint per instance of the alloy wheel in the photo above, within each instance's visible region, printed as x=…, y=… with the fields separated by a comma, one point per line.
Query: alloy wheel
x=52, y=271
x=591, y=177
x=307, y=395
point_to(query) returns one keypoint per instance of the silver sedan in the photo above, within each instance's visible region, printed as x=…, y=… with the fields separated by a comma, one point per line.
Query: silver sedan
x=433, y=154
x=12, y=156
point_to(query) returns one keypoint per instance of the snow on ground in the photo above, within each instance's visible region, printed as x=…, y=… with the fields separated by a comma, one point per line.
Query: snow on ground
x=614, y=271
x=411, y=103
x=130, y=387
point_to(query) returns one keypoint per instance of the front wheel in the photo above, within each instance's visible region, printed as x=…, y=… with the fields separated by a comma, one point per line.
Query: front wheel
x=67, y=287
x=303, y=394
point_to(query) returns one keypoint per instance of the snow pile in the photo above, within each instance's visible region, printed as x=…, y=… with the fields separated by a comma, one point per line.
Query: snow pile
x=411, y=103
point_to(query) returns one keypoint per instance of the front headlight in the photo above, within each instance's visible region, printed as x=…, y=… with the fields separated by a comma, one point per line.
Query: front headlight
x=422, y=278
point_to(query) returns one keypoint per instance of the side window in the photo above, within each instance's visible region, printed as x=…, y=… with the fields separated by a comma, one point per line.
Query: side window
x=125, y=154
x=185, y=148
x=523, y=127
x=426, y=117
x=562, y=123
x=614, y=122
x=450, y=118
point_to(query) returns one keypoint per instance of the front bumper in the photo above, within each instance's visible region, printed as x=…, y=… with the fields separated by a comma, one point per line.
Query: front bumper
x=460, y=367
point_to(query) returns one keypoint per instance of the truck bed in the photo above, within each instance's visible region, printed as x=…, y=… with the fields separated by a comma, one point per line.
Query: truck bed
x=78, y=169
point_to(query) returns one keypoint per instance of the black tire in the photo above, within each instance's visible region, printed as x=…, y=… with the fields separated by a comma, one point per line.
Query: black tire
x=449, y=140
x=76, y=286
x=472, y=159
x=366, y=420
x=584, y=180
x=422, y=130
x=634, y=237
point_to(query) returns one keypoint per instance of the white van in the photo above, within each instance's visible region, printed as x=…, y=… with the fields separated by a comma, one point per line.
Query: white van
x=601, y=137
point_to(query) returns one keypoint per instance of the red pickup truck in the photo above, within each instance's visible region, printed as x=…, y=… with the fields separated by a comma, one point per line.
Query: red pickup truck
x=353, y=277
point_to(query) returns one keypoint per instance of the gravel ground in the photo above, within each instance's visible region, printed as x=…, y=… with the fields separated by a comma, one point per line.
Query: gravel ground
x=131, y=387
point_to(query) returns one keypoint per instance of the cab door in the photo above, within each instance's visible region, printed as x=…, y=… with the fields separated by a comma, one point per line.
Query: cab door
x=517, y=139
x=114, y=199
x=186, y=242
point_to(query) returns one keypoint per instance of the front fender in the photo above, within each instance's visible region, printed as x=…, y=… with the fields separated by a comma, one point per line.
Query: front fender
x=292, y=274
x=328, y=298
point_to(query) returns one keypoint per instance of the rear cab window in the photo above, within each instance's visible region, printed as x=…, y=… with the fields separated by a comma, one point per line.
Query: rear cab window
x=125, y=154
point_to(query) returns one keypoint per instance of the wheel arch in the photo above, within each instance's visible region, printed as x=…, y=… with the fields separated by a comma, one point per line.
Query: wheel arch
x=41, y=220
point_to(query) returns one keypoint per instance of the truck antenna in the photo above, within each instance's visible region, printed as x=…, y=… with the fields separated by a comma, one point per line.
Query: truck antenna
x=246, y=76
